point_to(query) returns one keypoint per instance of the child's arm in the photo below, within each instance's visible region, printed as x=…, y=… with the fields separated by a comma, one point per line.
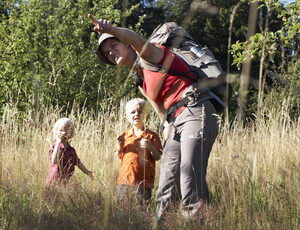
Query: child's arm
x=85, y=170
x=55, y=154
x=155, y=153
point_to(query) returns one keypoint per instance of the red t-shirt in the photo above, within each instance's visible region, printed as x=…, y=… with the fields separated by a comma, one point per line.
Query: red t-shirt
x=137, y=166
x=167, y=87
x=68, y=160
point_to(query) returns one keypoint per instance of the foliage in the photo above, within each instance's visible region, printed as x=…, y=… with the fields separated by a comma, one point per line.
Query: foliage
x=208, y=22
x=252, y=49
x=48, y=69
x=275, y=47
x=47, y=54
x=47, y=47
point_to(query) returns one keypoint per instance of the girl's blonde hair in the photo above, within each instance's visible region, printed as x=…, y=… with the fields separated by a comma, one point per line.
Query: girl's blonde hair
x=61, y=123
x=138, y=101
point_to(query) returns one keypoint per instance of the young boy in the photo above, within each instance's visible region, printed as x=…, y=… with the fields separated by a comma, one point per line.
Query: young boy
x=138, y=148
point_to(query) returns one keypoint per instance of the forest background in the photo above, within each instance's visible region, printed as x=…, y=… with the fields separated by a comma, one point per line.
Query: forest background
x=48, y=69
x=48, y=59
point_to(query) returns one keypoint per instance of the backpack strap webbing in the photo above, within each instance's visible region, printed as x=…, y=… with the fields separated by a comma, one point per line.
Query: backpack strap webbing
x=194, y=98
x=169, y=115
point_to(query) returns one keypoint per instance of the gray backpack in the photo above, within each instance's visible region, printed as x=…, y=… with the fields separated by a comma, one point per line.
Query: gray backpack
x=207, y=71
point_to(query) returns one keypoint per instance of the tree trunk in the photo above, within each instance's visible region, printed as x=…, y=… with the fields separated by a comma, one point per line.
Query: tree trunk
x=246, y=69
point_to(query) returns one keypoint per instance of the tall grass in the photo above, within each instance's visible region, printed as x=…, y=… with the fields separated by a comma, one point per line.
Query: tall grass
x=253, y=175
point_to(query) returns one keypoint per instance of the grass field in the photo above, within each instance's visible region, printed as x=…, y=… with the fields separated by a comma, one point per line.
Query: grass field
x=253, y=175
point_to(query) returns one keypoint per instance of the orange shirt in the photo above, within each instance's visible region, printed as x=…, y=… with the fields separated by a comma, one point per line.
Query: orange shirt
x=137, y=166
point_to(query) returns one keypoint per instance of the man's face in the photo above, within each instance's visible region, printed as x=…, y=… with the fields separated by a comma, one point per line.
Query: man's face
x=116, y=51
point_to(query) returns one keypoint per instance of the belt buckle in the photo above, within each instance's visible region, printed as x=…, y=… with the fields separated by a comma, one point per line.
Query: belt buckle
x=193, y=94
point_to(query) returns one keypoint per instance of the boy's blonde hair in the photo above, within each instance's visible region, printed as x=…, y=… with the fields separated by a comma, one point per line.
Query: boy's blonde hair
x=62, y=122
x=138, y=101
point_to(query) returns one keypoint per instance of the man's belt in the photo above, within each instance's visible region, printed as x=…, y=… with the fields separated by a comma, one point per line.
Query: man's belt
x=190, y=97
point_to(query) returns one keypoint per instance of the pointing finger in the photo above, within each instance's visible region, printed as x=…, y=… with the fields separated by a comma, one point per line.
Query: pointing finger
x=93, y=19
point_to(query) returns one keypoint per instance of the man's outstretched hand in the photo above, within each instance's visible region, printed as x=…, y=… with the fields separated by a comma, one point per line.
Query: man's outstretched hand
x=101, y=25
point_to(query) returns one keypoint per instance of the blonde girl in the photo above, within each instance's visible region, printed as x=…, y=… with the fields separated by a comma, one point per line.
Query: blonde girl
x=63, y=157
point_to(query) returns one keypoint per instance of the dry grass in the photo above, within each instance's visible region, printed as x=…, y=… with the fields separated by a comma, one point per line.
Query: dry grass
x=253, y=175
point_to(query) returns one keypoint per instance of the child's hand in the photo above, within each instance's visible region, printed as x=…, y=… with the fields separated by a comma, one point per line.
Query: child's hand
x=63, y=138
x=145, y=144
x=120, y=145
x=121, y=140
x=90, y=175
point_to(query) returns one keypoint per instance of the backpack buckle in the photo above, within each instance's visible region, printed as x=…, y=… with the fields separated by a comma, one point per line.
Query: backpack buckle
x=195, y=95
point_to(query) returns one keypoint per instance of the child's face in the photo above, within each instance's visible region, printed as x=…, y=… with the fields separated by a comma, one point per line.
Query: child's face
x=64, y=133
x=135, y=116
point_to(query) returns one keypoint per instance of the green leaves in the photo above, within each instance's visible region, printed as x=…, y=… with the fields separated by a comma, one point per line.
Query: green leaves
x=244, y=52
x=47, y=47
x=46, y=53
x=284, y=38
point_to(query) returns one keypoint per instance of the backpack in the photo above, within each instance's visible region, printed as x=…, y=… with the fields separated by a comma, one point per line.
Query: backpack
x=208, y=73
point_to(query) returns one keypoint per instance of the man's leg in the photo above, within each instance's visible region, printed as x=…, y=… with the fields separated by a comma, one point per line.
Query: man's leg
x=168, y=169
x=198, y=133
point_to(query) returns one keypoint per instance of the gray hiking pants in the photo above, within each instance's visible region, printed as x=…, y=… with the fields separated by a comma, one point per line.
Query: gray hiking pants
x=186, y=152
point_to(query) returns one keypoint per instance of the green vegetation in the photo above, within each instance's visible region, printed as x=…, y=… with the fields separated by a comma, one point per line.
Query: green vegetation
x=48, y=70
x=47, y=49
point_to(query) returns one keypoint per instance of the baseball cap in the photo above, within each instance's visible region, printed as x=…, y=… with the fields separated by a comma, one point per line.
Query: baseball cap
x=99, y=53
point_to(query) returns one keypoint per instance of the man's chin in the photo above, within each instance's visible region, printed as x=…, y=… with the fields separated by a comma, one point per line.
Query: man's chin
x=119, y=61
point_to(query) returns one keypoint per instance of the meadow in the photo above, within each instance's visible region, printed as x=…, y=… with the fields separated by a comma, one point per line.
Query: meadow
x=253, y=174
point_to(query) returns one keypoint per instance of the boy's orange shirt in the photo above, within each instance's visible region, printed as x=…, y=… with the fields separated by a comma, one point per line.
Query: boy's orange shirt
x=137, y=166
